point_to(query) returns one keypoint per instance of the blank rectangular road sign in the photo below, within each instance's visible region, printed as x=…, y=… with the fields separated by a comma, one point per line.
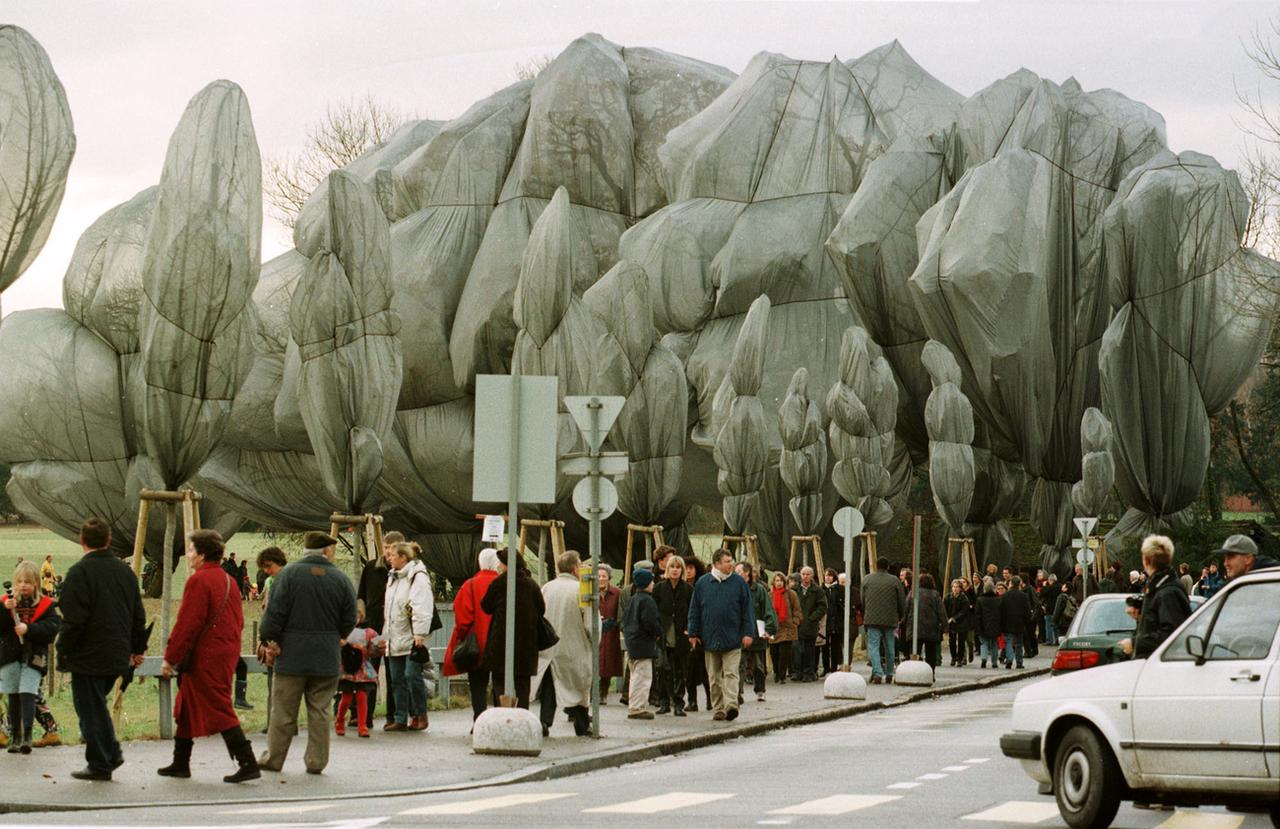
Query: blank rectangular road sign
x=491, y=470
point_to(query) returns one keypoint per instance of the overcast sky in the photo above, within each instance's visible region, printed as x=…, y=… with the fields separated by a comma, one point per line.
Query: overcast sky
x=129, y=68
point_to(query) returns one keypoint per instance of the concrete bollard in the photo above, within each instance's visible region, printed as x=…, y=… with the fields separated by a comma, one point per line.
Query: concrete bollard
x=844, y=685
x=913, y=672
x=510, y=731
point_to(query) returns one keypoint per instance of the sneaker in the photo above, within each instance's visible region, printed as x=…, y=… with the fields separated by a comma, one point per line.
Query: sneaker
x=759, y=697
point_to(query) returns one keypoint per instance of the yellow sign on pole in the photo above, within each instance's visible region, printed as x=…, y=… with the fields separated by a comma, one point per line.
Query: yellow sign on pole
x=586, y=577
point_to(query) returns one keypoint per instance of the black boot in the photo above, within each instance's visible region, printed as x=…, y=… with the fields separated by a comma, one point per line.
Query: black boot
x=181, y=765
x=581, y=720
x=242, y=685
x=665, y=707
x=241, y=750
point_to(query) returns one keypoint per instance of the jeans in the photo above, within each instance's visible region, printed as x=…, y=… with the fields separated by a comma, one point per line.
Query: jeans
x=1050, y=635
x=1013, y=648
x=878, y=637
x=89, y=696
x=990, y=649
x=409, y=690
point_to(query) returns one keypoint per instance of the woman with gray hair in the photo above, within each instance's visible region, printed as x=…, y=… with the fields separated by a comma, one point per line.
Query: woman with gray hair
x=408, y=609
x=610, y=628
x=471, y=626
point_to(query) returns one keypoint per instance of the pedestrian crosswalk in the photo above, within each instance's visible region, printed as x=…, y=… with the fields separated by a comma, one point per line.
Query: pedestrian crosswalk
x=486, y=804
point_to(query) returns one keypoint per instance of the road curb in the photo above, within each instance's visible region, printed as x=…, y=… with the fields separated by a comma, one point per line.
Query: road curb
x=557, y=769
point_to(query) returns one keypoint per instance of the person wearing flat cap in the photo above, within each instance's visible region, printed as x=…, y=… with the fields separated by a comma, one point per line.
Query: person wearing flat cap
x=313, y=606
x=1240, y=555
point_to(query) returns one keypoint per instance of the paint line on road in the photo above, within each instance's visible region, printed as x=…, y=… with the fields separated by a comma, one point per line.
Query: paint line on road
x=931, y=776
x=471, y=807
x=975, y=760
x=661, y=803
x=910, y=785
x=955, y=768
x=1017, y=811
x=837, y=804
x=1185, y=819
x=290, y=809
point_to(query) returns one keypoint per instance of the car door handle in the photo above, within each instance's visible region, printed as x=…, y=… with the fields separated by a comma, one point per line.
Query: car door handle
x=1246, y=676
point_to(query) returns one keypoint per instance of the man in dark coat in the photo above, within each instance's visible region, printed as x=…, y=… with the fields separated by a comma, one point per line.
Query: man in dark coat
x=753, y=658
x=833, y=651
x=104, y=634
x=884, y=603
x=1165, y=604
x=312, y=609
x=1015, y=619
x=813, y=609
x=721, y=620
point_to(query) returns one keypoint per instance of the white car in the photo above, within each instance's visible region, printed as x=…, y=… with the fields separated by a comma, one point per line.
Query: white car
x=1196, y=723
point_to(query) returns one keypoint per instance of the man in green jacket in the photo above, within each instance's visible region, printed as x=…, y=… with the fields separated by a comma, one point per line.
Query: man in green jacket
x=312, y=609
x=753, y=657
x=813, y=607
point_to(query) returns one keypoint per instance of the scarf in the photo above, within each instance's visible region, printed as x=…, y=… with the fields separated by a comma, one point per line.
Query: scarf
x=718, y=576
x=780, y=604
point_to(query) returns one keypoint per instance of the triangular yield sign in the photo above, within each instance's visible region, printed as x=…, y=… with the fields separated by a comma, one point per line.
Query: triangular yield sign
x=1085, y=525
x=580, y=408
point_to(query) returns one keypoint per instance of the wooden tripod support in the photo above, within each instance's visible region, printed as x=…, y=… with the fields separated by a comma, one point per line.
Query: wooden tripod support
x=652, y=535
x=968, y=561
x=798, y=542
x=745, y=543
x=556, y=531
x=367, y=539
x=189, y=500
x=1100, y=563
x=868, y=556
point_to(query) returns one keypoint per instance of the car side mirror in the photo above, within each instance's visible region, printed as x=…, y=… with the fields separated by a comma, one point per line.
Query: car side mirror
x=1195, y=647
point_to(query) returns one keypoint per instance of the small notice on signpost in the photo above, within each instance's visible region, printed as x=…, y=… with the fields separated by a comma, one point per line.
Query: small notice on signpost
x=494, y=527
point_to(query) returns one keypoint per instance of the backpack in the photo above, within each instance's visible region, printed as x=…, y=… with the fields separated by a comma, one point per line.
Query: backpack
x=1069, y=612
x=352, y=659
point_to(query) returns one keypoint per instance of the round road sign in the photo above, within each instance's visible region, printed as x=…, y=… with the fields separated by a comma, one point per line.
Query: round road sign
x=582, y=498
x=848, y=522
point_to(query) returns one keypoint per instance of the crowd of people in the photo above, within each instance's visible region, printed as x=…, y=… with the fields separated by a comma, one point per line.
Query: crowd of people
x=674, y=627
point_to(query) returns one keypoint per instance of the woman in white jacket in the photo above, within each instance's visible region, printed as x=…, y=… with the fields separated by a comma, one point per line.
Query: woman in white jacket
x=409, y=606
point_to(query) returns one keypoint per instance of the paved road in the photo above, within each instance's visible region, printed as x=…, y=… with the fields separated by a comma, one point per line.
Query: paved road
x=931, y=764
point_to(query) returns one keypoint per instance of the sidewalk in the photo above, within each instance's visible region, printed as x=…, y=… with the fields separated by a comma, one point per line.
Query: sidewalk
x=441, y=759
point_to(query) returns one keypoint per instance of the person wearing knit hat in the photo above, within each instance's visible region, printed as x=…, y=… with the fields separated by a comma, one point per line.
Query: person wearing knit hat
x=313, y=606
x=642, y=628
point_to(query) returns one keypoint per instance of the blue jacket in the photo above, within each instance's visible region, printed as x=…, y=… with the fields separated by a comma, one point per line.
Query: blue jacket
x=720, y=613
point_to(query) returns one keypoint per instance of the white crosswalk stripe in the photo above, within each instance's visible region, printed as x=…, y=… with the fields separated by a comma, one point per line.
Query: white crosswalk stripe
x=1201, y=820
x=471, y=807
x=910, y=785
x=837, y=804
x=931, y=776
x=1018, y=811
x=973, y=761
x=955, y=768
x=660, y=803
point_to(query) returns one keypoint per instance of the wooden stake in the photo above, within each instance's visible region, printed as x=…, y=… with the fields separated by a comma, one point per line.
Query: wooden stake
x=140, y=540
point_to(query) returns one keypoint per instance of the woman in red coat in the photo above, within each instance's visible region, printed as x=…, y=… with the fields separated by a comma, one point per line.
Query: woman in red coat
x=203, y=648
x=610, y=629
x=469, y=617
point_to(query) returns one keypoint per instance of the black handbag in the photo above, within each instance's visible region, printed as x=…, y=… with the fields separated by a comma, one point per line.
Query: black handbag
x=466, y=654
x=547, y=636
x=420, y=654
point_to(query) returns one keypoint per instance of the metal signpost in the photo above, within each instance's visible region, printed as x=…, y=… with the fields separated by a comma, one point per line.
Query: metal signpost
x=595, y=498
x=1085, y=557
x=915, y=585
x=515, y=460
x=848, y=523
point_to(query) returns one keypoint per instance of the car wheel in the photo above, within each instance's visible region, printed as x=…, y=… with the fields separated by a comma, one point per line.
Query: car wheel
x=1086, y=779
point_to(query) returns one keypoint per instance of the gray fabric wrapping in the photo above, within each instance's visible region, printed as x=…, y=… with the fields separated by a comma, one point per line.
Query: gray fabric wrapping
x=200, y=264
x=36, y=145
x=803, y=461
x=1098, y=469
x=741, y=448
